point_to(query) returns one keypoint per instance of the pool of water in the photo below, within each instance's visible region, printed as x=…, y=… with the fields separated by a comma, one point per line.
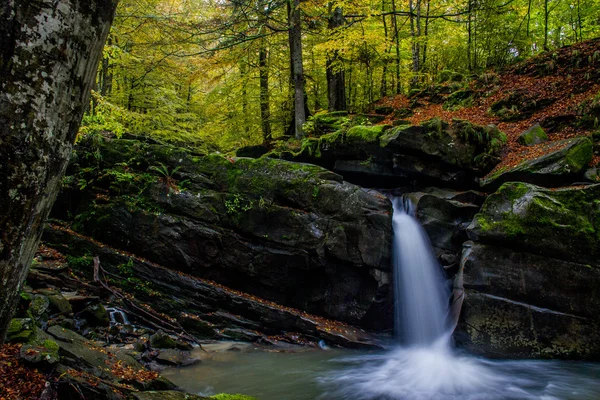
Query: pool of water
x=432, y=373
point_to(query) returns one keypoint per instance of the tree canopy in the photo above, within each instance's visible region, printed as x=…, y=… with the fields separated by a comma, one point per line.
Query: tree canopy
x=221, y=74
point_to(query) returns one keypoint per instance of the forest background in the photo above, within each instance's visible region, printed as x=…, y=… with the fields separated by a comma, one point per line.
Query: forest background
x=221, y=74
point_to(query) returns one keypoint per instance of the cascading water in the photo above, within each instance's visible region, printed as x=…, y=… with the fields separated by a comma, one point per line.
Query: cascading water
x=426, y=367
x=421, y=297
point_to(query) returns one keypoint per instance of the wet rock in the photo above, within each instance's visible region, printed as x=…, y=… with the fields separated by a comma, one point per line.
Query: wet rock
x=161, y=340
x=176, y=358
x=431, y=153
x=224, y=307
x=443, y=214
x=82, y=354
x=564, y=162
x=96, y=315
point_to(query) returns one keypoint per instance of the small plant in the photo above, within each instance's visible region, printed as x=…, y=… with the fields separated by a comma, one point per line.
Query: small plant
x=315, y=192
x=167, y=176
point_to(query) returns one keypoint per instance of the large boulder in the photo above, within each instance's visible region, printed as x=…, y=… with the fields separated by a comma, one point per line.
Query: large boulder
x=562, y=223
x=433, y=152
x=280, y=230
x=561, y=163
x=532, y=279
x=520, y=304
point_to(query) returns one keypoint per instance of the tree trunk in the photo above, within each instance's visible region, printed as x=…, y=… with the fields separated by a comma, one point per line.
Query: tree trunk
x=336, y=85
x=265, y=110
x=49, y=54
x=297, y=68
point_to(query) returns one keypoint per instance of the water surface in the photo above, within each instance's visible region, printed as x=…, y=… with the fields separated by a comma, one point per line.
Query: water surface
x=418, y=373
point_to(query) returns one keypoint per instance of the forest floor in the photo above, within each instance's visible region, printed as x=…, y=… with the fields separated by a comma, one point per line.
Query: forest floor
x=555, y=88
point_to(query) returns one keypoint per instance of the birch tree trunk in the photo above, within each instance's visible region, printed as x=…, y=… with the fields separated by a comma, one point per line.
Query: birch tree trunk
x=49, y=54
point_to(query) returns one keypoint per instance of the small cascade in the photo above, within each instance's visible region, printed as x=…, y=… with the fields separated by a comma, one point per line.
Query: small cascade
x=421, y=296
x=117, y=317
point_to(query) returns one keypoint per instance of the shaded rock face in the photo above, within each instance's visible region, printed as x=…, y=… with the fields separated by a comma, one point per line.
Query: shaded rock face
x=433, y=153
x=205, y=308
x=520, y=304
x=284, y=231
x=533, y=277
x=563, y=163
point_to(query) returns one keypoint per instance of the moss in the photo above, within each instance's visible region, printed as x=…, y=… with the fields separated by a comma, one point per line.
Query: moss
x=579, y=156
x=224, y=396
x=459, y=99
x=365, y=134
x=52, y=348
x=533, y=135
x=535, y=217
x=20, y=330
x=434, y=126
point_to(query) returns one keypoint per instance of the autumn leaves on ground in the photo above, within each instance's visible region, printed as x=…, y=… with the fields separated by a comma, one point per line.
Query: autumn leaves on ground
x=553, y=90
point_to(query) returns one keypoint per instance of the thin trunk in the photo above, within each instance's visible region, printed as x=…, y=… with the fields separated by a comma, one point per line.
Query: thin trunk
x=425, y=33
x=245, y=111
x=397, y=41
x=546, y=12
x=469, y=35
x=528, y=17
x=265, y=111
x=49, y=57
x=336, y=86
x=579, y=22
x=384, y=84
x=297, y=70
x=106, y=76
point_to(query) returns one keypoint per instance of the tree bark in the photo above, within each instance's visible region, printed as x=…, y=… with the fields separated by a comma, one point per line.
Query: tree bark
x=297, y=68
x=265, y=108
x=336, y=81
x=49, y=54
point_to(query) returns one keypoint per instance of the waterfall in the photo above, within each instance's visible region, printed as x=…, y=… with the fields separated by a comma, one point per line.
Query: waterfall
x=421, y=296
x=117, y=316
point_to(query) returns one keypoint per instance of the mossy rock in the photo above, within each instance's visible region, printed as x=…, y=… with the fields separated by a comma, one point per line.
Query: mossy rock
x=40, y=355
x=532, y=136
x=459, y=99
x=459, y=144
x=365, y=134
x=20, y=330
x=558, y=167
x=96, y=315
x=161, y=340
x=58, y=303
x=39, y=306
x=561, y=222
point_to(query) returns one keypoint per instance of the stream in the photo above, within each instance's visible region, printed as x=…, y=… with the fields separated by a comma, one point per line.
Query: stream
x=400, y=374
x=423, y=365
